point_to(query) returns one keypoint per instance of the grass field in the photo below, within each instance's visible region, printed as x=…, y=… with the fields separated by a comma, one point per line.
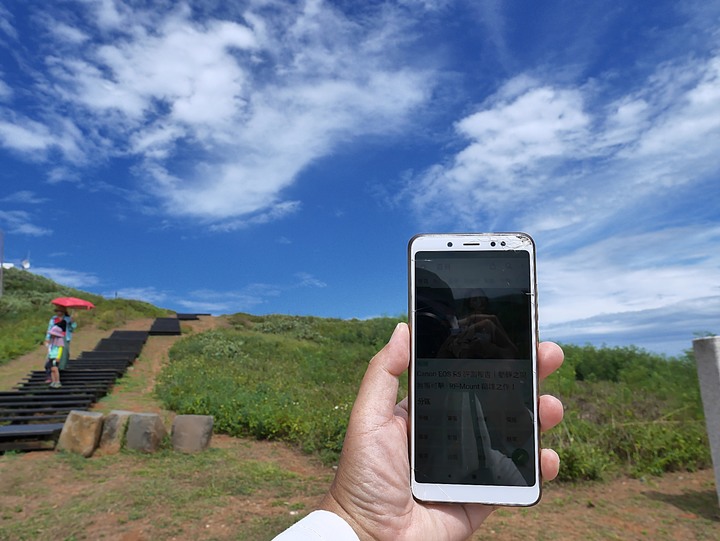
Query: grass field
x=635, y=457
x=249, y=489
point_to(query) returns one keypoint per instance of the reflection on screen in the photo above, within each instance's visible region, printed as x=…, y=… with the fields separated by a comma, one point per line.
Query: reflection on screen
x=473, y=372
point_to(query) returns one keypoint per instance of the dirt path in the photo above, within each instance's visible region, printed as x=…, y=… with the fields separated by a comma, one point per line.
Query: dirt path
x=675, y=507
x=134, y=391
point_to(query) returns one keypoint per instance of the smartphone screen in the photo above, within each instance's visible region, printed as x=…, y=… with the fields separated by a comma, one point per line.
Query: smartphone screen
x=474, y=430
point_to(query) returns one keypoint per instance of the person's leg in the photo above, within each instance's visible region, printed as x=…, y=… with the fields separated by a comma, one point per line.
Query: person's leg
x=48, y=375
x=55, y=375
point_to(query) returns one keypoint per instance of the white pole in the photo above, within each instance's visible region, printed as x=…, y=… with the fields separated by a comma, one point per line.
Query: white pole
x=707, y=357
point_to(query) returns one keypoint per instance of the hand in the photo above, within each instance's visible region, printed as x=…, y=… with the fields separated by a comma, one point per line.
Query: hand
x=371, y=490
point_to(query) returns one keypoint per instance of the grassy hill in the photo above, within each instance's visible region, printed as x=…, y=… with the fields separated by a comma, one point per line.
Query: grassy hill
x=25, y=310
x=294, y=379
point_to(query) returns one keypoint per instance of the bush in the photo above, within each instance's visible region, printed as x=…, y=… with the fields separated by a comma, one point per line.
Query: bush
x=627, y=411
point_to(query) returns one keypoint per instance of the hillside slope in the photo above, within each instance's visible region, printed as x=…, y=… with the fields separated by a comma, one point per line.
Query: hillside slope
x=25, y=309
x=251, y=490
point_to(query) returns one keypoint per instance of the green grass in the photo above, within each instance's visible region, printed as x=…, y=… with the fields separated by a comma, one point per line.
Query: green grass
x=295, y=378
x=275, y=377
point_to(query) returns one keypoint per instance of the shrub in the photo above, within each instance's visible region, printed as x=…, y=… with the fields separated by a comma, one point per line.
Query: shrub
x=638, y=413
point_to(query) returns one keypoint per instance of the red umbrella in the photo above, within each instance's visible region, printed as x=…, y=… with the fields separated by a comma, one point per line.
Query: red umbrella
x=72, y=302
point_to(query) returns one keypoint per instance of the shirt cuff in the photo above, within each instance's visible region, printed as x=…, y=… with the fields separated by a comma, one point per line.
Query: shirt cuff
x=319, y=526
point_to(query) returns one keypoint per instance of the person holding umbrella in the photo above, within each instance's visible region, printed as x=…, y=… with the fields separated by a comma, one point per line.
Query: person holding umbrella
x=62, y=304
x=61, y=313
x=56, y=347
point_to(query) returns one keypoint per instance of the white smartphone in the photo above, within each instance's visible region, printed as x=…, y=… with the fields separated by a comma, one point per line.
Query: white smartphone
x=474, y=435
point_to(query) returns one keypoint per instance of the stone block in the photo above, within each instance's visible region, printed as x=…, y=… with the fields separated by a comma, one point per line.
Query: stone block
x=192, y=433
x=145, y=432
x=81, y=432
x=113, y=432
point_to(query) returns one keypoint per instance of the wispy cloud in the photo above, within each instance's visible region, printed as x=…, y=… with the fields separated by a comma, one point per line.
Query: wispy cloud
x=535, y=150
x=590, y=179
x=593, y=128
x=6, y=23
x=67, y=277
x=660, y=330
x=249, y=298
x=21, y=223
x=146, y=294
x=23, y=196
x=628, y=272
x=221, y=114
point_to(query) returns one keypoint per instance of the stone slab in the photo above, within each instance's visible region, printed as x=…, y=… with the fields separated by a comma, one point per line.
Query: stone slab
x=145, y=432
x=81, y=432
x=192, y=433
x=113, y=432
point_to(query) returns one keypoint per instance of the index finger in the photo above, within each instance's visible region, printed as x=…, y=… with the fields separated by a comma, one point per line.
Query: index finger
x=378, y=390
x=550, y=358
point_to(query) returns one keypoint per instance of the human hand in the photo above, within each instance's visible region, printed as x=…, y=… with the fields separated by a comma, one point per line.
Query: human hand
x=371, y=489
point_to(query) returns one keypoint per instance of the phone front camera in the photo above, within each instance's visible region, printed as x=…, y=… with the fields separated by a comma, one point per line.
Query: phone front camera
x=449, y=244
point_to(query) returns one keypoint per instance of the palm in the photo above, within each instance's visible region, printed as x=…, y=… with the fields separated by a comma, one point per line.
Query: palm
x=372, y=490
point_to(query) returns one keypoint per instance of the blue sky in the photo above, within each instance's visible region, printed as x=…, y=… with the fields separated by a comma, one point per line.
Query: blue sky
x=276, y=157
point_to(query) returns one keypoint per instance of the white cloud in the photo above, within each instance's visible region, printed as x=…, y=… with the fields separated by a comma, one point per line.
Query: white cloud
x=66, y=33
x=308, y=280
x=635, y=287
x=693, y=115
x=627, y=272
x=246, y=104
x=109, y=14
x=249, y=298
x=548, y=157
x=67, y=277
x=203, y=307
x=23, y=196
x=62, y=174
x=226, y=302
x=6, y=23
x=6, y=93
x=669, y=330
x=20, y=222
x=272, y=214
x=25, y=135
x=591, y=180
x=514, y=142
x=35, y=139
x=146, y=294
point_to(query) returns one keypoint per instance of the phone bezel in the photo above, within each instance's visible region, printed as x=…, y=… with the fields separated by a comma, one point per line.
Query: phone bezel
x=486, y=494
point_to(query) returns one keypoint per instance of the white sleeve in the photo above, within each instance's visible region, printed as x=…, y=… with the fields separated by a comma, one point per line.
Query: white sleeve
x=319, y=526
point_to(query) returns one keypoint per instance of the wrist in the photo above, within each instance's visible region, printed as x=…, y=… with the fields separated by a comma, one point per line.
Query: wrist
x=331, y=504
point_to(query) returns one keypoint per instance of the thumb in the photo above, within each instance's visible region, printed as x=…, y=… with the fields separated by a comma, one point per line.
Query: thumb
x=379, y=388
